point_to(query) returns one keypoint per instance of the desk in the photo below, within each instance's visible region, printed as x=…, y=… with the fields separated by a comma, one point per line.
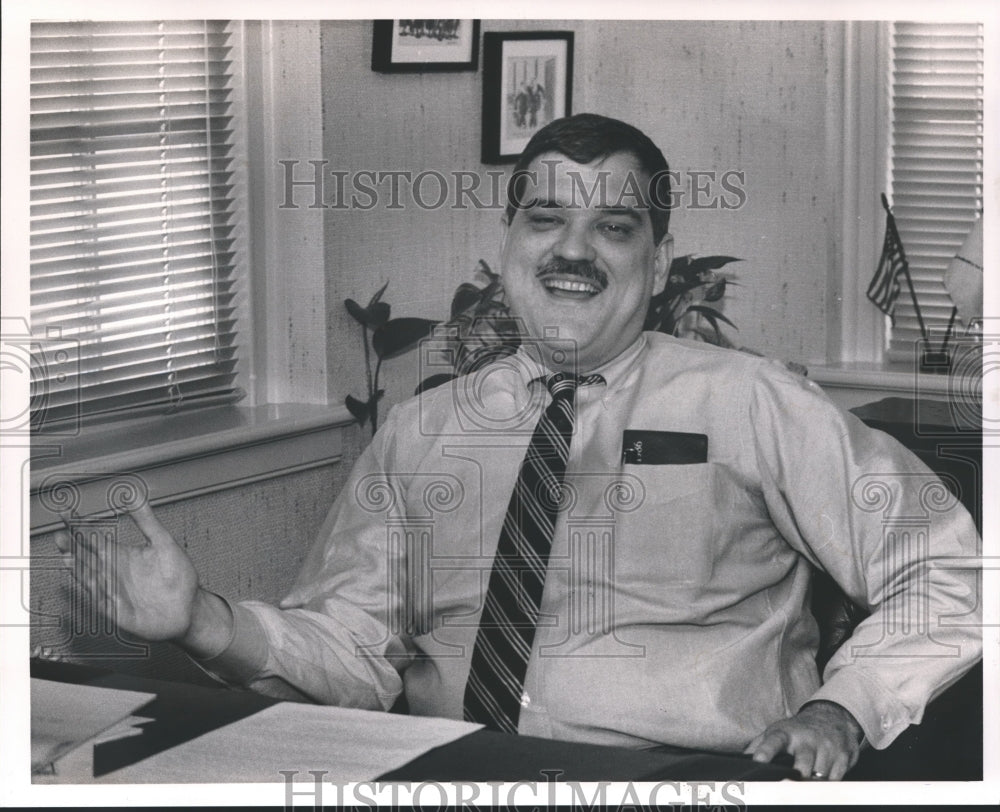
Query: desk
x=182, y=712
x=947, y=436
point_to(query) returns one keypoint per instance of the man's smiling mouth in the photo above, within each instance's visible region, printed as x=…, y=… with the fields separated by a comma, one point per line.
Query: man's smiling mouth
x=572, y=279
x=575, y=286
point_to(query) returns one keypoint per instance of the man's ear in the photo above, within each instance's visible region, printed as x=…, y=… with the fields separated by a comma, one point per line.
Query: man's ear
x=661, y=262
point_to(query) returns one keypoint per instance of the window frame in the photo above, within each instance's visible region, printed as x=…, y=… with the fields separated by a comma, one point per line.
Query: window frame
x=857, y=367
x=287, y=423
x=858, y=139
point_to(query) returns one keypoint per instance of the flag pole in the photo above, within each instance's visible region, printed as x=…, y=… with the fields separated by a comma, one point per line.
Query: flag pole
x=891, y=223
x=947, y=333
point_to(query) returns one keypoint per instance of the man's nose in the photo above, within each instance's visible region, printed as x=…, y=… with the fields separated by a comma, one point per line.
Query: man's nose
x=575, y=243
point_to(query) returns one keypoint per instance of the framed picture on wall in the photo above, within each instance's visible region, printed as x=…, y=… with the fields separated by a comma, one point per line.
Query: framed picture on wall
x=527, y=82
x=414, y=46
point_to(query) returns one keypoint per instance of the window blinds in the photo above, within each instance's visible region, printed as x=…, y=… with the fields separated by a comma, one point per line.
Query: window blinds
x=936, y=160
x=133, y=218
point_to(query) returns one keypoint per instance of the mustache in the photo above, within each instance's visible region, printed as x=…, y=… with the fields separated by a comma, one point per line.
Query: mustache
x=583, y=268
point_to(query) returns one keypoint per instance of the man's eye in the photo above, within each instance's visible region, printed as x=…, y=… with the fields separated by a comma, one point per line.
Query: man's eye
x=543, y=220
x=617, y=230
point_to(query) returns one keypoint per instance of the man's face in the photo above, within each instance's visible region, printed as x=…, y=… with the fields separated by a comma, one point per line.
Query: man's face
x=583, y=269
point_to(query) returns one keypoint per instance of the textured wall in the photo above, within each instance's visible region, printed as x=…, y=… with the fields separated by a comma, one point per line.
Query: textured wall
x=746, y=96
x=716, y=96
x=387, y=122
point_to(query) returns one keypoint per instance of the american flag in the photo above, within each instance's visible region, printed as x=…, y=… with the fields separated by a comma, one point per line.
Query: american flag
x=884, y=287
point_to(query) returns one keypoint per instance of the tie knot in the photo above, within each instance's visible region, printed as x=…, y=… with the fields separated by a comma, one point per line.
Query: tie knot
x=564, y=384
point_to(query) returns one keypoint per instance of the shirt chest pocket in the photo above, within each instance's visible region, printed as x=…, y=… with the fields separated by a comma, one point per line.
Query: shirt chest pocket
x=669, y=538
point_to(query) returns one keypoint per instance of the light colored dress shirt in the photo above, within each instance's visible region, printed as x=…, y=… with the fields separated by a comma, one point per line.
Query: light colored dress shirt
x=675, y=607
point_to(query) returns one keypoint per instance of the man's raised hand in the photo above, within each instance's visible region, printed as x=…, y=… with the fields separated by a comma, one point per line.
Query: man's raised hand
x=149, y=589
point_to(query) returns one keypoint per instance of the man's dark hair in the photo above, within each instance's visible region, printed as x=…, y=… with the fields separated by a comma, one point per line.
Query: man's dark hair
x=587, y=137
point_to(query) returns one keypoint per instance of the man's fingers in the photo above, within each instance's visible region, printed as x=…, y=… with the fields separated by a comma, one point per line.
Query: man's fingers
x=92, y=574
x=770, y=745
x=92, y=562
x=820, y=752
x=853, y=757
x=841, y=764
x=87, y=566
x=64, y=537
x=806, y=761
x=89, y=549
x=778, y=741
x=63, y=540
x=148, y=524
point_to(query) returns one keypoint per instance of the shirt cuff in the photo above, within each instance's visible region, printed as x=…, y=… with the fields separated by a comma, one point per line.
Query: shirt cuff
x=881, y=716
x=245, y=655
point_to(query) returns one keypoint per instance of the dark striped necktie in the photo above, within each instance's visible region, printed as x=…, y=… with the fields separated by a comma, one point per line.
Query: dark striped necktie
x=510, y=611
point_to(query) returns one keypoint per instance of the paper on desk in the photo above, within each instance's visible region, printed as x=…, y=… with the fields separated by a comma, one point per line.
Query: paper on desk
x=350, y=745
x=64, y=716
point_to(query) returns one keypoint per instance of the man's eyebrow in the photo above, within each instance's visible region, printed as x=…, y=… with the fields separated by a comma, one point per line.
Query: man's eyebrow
x=621, y=211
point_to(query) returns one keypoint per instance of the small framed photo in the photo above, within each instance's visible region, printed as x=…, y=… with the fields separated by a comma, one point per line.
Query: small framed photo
x=527, y=82
x=415, y=46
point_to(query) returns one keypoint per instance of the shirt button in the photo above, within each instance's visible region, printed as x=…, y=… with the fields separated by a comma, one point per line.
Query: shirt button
x=886, y=723
x=525, y=700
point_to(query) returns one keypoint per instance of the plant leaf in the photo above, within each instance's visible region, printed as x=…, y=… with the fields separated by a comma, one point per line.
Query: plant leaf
x=397, y=336
x=660, y=299
x=716, y=291
x=710, y=263
x=507, y=327
x=358, y=313
x=378, y=314
x=715, y=325
x=485, y=269
x=433, y=381
x=678, y=265
x=657, y=314
x=677, y=288
x=470, y=298
x=467, y=296
x=489, y=302
x=712, y=315
x=359, y=411
x=375, y=315
x=377, y=296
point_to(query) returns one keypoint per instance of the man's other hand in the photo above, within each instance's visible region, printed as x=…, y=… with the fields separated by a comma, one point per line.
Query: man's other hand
x=150, y=590
x=824, y=738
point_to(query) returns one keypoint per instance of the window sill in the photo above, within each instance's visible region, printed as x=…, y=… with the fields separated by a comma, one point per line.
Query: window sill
x=178, y=456
x=854, y=384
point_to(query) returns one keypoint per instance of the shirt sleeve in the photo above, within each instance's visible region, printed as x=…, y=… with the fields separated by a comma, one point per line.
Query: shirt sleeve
x=333, y=639
x=866, y=510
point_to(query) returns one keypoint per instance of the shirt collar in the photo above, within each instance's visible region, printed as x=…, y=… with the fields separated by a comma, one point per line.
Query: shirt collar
x=615, y=372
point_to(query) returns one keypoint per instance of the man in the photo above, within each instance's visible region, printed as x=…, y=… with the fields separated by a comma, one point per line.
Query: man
x=623, y=558
x=521, y=101
x=536, y=94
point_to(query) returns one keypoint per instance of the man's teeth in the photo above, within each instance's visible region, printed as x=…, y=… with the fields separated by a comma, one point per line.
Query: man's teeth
x=571, y=286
